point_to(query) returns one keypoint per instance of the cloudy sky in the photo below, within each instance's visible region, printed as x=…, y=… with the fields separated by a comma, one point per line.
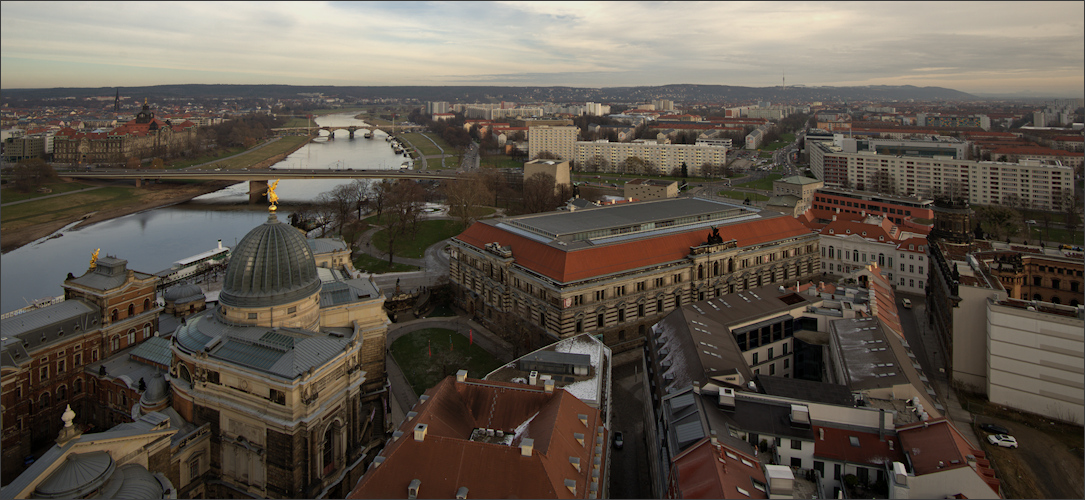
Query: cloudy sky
x=981, y=47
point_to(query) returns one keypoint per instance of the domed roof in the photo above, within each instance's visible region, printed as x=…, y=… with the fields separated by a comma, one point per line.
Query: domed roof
x=272, y=265
x=183, y=291
x=156, y=390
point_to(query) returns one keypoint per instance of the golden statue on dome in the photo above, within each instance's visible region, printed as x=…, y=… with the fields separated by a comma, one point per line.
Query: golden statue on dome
x=94, y=258
x=271, y=196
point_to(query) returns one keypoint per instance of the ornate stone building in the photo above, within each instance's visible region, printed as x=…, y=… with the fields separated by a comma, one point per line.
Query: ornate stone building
x=107, y=309
x=287, y=371
x=614, y=271
x=143, y=137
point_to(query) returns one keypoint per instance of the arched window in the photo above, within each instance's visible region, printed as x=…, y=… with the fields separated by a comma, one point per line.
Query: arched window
x=1074, y=303
x=716, y=268
x=113, y=315
x=77, y=386
x=146, y=305
x=43, y=400
x=329, y=450
x=131, y=310
x=1055, y=300
x=832, y=252
x=183, y=371
x=881, y=260
x=700, y=271
x=62, y=393
x=1037, y=297
x=730, y=265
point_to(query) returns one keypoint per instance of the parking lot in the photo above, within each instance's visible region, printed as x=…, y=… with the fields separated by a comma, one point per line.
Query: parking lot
x=1047, y=463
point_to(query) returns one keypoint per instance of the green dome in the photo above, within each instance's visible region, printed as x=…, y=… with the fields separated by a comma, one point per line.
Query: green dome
x=270, y=266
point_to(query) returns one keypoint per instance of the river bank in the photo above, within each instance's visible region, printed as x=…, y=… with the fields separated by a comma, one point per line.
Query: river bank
x=155, y=196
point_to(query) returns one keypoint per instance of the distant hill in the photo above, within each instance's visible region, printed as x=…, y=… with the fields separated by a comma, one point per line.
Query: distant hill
x=678, y=92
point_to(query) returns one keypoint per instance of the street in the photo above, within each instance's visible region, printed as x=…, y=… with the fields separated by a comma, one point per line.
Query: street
x=629, y=477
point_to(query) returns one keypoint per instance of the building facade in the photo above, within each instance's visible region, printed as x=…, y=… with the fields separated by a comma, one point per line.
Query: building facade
x=663, y=158
x=556, y=140
x=614, y=271
x=144, y=136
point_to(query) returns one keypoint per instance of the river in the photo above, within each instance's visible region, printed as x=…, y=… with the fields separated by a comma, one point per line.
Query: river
x=152, y=240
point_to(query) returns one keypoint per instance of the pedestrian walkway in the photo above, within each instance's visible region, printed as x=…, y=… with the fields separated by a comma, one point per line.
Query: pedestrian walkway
x=46, y=197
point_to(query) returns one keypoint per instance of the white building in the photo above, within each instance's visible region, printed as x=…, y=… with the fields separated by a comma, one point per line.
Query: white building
x=663, y=157
x=555, y=140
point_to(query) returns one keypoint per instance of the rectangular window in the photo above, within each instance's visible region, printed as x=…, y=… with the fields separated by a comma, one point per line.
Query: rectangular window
x=836, y=471
x=44, y=374
x=278, y=397
x=772, y=369
x=787, y=363
x=252, y=315
x=754, y=358
x=60, y=366
x=796, y=444
x=213, y=377
x=819, y=466
x=770, y=352
x=291, y=309
x=796, y=462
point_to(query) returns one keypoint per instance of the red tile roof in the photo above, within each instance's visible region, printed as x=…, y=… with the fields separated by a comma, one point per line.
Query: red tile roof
x=706, y=471
x=598, y=260
x=936, y=446
x=447, y=459
x=835, y=444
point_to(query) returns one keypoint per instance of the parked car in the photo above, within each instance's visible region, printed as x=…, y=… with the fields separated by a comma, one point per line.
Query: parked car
x=1003, y=440
x=619, y=440
x=907, y=303
x=994, y=428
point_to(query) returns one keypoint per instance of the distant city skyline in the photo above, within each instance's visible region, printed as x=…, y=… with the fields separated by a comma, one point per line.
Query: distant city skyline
x=1026, y=48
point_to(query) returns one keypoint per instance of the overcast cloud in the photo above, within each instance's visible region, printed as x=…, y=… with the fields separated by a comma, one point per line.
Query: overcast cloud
x=979, y=47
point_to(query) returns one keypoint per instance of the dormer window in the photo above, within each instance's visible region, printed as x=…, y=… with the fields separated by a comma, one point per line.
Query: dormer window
x=831, y=231
x=881, y=238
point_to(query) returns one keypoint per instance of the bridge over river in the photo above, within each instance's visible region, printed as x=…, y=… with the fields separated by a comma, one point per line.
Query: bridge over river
x=350, y=128
x=257, y=178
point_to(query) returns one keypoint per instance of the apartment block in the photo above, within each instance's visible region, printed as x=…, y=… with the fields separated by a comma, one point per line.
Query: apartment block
x=557, y=140
x=665, y=158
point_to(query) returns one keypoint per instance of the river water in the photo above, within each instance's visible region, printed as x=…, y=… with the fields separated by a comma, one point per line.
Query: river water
x=151, y=241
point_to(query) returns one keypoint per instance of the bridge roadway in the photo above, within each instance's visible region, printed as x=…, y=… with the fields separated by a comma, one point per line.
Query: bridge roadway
x=257, y=178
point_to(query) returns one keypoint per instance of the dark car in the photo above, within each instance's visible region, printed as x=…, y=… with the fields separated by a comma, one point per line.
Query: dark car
x=619, y=440
x=994, y=429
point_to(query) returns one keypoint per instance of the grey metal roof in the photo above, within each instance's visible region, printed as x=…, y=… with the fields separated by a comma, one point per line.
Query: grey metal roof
x=347, y=291
x=25, y=333
x=863, y=348
x=810, y=390
x=46, y=316
x=557, y=224
x=326, y=245
x=271, y=265
x=80, y=474
x=155, y=350
x=132, y=481
x=108, y=273
x=688, y=433
x=183, y=293
x=284, y=352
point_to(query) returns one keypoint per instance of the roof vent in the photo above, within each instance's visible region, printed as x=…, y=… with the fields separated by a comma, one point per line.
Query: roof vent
x=412, y=489
x=461, y=376
x=461, y=493
x=548, y=386
x=727, y=398
x=420, y=432
x=526, y=445
x=533, y=377
x=800, y=416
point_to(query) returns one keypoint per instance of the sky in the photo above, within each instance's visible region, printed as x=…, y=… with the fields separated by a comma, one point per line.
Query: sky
x=1028, y=48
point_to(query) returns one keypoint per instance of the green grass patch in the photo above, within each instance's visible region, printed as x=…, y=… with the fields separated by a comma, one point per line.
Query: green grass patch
x=500, y=161
x=177, y=164
x=425, y=146
x=414, y=244
x=284, y=145
x=58, y=187
x=297, y=122
x=63, y=207
x=322, y=112
x=764, y=183
x=428, y=356
x=370, y=264
x=740, y=195
x=1053, y=235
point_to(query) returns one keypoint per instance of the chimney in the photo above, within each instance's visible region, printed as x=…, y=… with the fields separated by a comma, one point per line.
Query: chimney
x=526, y=445
x=571, y=484
x=548, y=386
x=576, y=462
x=727, y=398
x=461, y=376
x=412, y=489
x=714, y=438
x=533, y=377
x=461, y=493
x=420, y=432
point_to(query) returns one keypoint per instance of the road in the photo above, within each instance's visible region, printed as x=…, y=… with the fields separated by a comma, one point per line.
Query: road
x=629, y=476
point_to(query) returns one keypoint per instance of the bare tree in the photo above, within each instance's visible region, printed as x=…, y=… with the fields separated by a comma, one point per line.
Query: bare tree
x=29, y=174
x=380, y=194
x=324, y=207
x=596, y=164
x=405, y=202
x=465, y=194
x=344, y=200
x=546, y=155
x=633, y=165
x=882, y=182
x=539, y=193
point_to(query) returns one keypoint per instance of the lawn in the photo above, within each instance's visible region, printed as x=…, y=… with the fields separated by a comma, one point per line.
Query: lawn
x=322, y=112
x=297, y=122
x=764, y=183
x=428, y=356
x=739, y=195
x=369, y=264
x=284, y=145
x=9, y=195
x=427, y=148
x=177, y=164
x=52, y=209
x=414, y=244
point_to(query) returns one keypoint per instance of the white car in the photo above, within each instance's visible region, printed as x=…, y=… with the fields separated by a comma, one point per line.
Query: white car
x=1003, y=440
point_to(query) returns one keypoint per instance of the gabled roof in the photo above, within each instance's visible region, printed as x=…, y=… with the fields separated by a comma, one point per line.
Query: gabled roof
x=845, y=445
x=447, y=458
x=935, y=446
x=708, y=471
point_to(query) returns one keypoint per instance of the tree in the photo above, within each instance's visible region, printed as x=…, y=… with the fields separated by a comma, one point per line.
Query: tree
x=344, y=199
x=132, y=163
x=380, y=194
x=685, y=170
x=633, y=165
x=1001, y=221
x=158, y=164
x=30, y=173
x=881, y=182
x=464, y=195
x=596, y=164
x=539, y=193
x=325, y=211
x=546, y=155
x=405, y=202
x=1071, y=205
